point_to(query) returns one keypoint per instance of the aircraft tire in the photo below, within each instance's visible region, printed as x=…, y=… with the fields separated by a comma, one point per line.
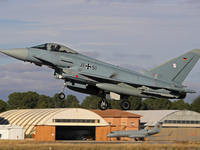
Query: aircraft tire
x=103, y=105
x=125, y=105
x=142, y=139
x=61, y=96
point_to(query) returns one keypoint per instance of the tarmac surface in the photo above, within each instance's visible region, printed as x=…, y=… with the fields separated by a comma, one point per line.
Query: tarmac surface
x=116, y=142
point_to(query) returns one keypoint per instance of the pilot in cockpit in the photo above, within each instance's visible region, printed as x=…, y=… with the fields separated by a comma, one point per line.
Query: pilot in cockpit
x=52, y=48
x=55, y=48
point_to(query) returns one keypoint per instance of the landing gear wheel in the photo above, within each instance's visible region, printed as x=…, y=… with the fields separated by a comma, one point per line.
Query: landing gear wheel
x=125, y=105
x=103, y=105
x=61, y=96
x=142, y=139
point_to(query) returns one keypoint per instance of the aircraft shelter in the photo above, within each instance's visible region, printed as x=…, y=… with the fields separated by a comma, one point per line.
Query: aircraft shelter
x=181, y=125
x=78, y=124
x=70, y=123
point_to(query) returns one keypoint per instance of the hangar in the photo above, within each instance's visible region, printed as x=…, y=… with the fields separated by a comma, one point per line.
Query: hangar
x=118, y=120
x=183, y=124
x=76, y=121
x=70, y=123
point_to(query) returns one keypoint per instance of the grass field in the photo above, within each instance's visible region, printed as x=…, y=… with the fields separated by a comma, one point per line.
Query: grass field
x=35, y=145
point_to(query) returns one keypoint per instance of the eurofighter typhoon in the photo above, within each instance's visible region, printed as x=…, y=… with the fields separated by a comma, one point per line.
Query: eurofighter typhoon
x=87, y=75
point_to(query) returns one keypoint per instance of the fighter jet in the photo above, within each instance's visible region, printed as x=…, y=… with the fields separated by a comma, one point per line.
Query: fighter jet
x=137, y=134
x=87, y=75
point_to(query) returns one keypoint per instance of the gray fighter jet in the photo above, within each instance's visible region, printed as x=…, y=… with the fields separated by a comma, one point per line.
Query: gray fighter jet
x=87, y=75
x=137, y=134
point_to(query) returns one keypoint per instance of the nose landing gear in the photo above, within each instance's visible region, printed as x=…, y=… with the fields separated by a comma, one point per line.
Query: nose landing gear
x=103, y=104
x=62, y=95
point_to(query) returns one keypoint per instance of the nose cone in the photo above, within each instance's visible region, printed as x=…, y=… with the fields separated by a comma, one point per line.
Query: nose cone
x=19, y=53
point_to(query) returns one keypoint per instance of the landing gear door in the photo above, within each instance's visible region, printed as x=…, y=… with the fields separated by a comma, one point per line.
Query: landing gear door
x=113, y=96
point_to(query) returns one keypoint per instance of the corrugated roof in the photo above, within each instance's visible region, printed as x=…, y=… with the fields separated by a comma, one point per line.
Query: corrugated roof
x=151, y=117
x=115, y=113
x=29, y=118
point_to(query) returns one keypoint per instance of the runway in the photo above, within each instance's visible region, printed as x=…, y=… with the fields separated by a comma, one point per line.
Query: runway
x=115, y=142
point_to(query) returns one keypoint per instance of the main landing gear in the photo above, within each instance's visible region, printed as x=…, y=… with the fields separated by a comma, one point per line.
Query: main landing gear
x=139, y=139
x=103, y=104
x=125, y=104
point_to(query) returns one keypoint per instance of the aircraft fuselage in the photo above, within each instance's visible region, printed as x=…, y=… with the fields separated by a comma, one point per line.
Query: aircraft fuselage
x=87, y=75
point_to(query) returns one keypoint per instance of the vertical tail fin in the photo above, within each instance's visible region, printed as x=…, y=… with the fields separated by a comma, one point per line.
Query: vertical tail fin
x=156, y=129
x=178, y=68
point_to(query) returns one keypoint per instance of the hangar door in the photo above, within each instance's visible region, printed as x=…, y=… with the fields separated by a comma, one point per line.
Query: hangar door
x=177, y=134
x=75, y=132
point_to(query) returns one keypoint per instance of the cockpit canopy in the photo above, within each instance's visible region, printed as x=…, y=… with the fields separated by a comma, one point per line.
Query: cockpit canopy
x=55, y=47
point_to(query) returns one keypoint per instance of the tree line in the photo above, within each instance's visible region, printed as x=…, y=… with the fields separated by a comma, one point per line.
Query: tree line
x=33, y=100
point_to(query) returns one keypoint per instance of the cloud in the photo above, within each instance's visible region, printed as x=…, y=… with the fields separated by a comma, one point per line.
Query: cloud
x=2, y=55
x=127, y=32
x=14, y=22
x=25, y=76
x=100, y=44
x=117, y=1
x=3, y=1
x=193, y=1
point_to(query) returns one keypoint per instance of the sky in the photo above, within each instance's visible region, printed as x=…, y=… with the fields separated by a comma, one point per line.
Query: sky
x=134, y=34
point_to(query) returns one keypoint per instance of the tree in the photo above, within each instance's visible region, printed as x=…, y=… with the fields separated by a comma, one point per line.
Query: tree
x=180, y=105
x=57, y=102
x=24, y=100
x=30, y=99
x=45, y=102
x=90, y=102
x=114, y=104
x=195, y=106
x=71, y=102
x=156, y=104
x=136, y=102
x=14, y=100
x=3, y=106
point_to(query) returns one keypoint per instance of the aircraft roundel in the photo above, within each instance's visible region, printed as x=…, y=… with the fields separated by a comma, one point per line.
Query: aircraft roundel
x=174, y=65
